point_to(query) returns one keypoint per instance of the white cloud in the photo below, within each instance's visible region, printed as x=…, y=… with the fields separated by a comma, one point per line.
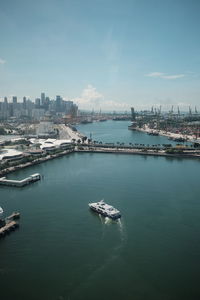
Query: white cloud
x=155, y=74
x=2, y=61
x=164, y=75
x=91, y=99
x=173, y=76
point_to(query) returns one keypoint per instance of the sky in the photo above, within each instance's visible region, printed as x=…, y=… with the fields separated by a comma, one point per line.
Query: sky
x=102, y=54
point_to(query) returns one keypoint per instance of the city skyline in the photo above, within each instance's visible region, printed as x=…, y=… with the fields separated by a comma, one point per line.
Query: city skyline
x=102, y=54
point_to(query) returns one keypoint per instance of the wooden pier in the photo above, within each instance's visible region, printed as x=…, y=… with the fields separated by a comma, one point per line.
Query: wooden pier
x=20, y=183
x=14, y=216
x=9, y=224
x=8, y=227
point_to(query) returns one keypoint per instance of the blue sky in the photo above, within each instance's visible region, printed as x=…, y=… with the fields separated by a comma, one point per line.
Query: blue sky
x=102, y=54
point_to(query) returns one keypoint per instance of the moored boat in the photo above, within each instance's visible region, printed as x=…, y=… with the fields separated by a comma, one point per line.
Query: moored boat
x=105, y=210
x=153, y=132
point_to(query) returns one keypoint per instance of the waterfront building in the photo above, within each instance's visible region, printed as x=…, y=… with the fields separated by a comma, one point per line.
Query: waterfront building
x=10, y=155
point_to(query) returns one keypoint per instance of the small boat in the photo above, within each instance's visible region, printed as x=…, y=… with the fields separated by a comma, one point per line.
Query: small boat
x=105, y=210
x=1, y=210
x=156, y=133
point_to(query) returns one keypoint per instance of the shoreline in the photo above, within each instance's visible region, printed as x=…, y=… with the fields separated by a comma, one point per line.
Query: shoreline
x=34, y=162
x=99, y=150
x=68, y=132
x=168, y=134
x=139, y=152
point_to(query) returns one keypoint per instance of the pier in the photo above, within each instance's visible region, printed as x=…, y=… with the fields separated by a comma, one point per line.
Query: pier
x=8, y=227
x=9, y=224
x=20, y=183
x=140, y=150
x=14, y=216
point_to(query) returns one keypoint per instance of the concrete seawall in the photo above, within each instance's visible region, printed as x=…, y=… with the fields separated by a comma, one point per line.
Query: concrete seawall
x=138, y=152
x=100, y=150
x=20, y=183
x=34, y=162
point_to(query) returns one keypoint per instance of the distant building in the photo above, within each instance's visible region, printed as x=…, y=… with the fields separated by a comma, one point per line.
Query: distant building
x=36, y=110
x=37, y=103
x=24, y=102
x=38, y=113
x=42, y=99
x=46, y=126
x=14, y=100
x=58, y=103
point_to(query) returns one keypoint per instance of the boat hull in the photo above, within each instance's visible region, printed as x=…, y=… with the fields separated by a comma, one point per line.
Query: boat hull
x=118, y=216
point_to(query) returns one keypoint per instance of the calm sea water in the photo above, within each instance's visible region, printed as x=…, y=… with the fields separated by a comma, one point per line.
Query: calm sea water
x=117, y=131
x=64, y=251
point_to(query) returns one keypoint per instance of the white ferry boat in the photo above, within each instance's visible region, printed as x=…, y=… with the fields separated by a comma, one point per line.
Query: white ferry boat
x=106, y=210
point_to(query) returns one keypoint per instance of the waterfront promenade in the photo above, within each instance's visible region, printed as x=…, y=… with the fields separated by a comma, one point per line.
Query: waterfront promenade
x=92, y=148
x=139, y=151
x=34, y=162
x=144, y=148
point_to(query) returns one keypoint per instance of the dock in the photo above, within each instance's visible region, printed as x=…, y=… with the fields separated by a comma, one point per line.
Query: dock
x=8, y=227
x=14, y=216
x=20, y=183
x=9, y=224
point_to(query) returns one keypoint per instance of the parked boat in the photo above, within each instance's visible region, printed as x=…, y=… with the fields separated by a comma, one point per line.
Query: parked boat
x=1, y=210
x=105, y=210
x=133, y=126
x=156, y=133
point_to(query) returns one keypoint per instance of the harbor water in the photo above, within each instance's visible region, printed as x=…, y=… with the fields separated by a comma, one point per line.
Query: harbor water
x=62, y=250
x=117, y=131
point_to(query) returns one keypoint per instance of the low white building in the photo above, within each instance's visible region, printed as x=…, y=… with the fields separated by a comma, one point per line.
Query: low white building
x=10, y=154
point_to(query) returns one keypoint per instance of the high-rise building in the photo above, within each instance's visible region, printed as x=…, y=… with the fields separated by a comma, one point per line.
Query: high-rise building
x=14, y=106
x=14, y=100
x=42, y=99
x=24, y=103
x=58, y=103
x=37, y=102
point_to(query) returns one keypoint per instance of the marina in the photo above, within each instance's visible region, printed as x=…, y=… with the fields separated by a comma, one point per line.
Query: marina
x=158, y=229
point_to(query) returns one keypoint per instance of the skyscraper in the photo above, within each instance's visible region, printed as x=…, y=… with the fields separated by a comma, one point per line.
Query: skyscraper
x=58, y=103
x=42, y=99
x=24, y=102
x=14, y=100
x=37, y=102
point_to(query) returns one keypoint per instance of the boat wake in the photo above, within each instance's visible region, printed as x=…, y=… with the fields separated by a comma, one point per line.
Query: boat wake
x=114, y=254
x=122, y=231
x=108, y=220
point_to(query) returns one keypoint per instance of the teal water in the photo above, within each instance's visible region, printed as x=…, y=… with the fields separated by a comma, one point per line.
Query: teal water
x=64, y=251
x=117, y=131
